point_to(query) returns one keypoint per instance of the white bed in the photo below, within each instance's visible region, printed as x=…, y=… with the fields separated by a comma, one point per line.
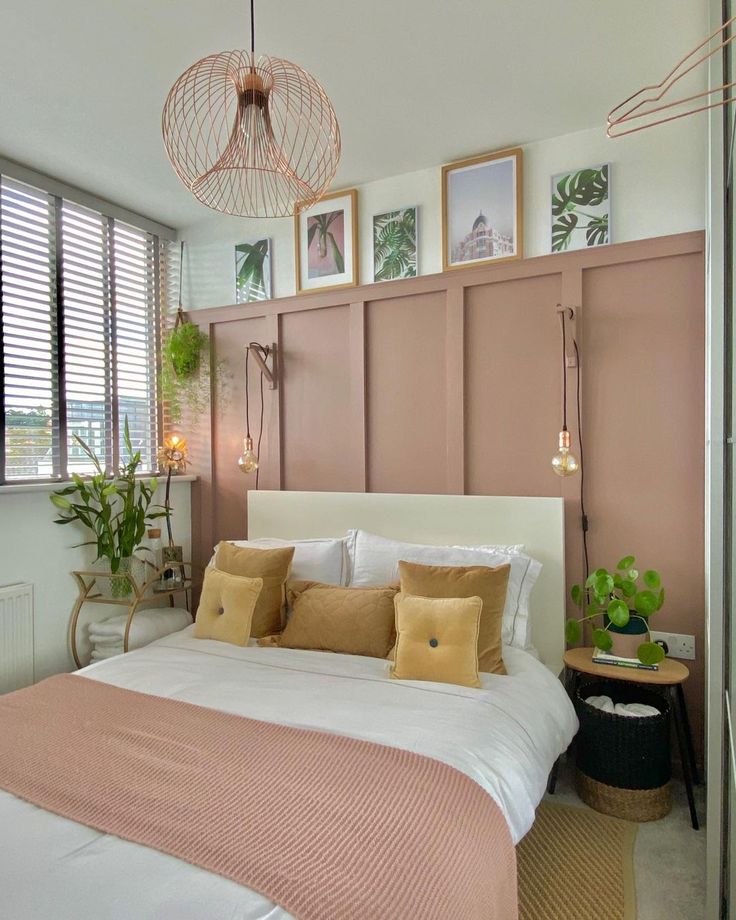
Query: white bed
x=505, y=736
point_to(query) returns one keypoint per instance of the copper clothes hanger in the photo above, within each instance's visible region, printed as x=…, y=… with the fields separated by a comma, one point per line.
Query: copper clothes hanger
x=642, y=110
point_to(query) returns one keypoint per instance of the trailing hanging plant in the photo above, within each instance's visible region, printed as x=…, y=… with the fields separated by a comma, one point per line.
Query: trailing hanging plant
x=185, y=370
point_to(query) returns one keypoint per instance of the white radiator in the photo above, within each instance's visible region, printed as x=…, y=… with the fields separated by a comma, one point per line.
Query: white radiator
x=16, y=637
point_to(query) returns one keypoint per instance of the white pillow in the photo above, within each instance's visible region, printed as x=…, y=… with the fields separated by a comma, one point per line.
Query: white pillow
x=374, y=560
x=323, y=560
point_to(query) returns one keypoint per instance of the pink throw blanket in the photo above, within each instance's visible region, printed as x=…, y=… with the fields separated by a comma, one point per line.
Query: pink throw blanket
x=329, y=827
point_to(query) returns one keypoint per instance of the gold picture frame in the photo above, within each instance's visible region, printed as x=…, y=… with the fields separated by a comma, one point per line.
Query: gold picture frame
x=492, y=181
x=326, y=240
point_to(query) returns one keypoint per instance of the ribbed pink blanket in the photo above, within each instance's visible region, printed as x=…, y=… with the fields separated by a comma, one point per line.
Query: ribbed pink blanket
x=329, y=827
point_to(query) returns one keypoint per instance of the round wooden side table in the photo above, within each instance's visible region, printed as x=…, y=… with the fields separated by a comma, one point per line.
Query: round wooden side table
x=671, y=675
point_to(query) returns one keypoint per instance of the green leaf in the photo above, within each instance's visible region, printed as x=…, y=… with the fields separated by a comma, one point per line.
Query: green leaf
x=562, y=230
x=596, y=231
x=645, y=603
x=633, y=574
x=650, y=653
x=628, y=588
x=626, y=562
x=652, y=579
x=618, y=613
x=585, y=188
x=573, y=632
x=602, y=640
x=602, y=585
x=576, y=593
x=337, y=255
x=660, y=599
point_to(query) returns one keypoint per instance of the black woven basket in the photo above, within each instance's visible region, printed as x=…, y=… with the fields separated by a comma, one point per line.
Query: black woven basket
x=623, y=751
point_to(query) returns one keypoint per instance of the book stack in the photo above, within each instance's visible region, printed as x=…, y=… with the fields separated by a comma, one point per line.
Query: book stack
x=600, y=657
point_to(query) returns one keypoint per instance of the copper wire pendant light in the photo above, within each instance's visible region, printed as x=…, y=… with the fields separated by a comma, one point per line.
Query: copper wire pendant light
x=253, y=137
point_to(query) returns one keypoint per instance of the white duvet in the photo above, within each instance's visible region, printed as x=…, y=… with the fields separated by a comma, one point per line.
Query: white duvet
x=505, y=736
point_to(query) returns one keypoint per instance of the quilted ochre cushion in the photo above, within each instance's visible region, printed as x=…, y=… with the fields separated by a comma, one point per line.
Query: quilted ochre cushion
x=489, y=584
x=354, y=621
x=271, y=565
x=437, y=639
x=226, y=607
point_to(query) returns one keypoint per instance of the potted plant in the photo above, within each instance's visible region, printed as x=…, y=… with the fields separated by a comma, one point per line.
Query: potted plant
x=186, y=369
x=625, y=605
x=117, y=509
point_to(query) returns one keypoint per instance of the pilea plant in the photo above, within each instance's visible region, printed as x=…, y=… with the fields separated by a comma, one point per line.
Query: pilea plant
x=618, y=597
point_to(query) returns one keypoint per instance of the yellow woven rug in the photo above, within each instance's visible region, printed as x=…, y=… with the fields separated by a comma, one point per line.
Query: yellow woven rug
x=575, y=864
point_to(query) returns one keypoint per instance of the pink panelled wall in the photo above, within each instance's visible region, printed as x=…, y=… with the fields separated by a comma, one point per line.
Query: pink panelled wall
x=452, y=383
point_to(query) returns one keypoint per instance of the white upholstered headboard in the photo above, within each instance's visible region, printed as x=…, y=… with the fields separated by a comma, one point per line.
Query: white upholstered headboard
x=437, y=519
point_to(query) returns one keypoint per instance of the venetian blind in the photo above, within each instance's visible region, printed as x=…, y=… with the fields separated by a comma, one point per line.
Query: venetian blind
x=79, y=319
x=28, y=329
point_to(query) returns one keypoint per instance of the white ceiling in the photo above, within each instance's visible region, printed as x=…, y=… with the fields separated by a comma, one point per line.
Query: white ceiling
x=414, y=82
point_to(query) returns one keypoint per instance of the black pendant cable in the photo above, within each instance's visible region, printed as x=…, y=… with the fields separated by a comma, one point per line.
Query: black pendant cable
x=584, y=516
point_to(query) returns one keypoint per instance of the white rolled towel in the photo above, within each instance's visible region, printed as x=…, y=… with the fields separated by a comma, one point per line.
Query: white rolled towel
x=635, y=710
x=601, y=702
x=147, y=626
x=630, y=710
x=104, y=654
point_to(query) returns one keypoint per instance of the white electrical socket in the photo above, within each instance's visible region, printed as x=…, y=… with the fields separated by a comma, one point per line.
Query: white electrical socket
x=679, y=646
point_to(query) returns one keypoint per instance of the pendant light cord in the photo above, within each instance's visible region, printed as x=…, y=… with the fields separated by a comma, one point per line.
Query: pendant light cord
x=564, y=371
x=247, y=395
x=252, y=28
x=584, y=516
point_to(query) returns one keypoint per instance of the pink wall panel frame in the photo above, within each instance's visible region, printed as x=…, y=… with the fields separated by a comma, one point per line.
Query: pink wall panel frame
x=451, y=383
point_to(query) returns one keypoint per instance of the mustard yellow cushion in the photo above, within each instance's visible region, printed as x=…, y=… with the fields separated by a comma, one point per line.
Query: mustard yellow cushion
x=271, y=565
x=437, y=639
x=226, y=607
x=489, y=584
x=353, y=621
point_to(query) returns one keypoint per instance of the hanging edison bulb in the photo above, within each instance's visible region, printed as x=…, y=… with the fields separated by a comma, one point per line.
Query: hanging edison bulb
x=248, y=462
x=564, y=463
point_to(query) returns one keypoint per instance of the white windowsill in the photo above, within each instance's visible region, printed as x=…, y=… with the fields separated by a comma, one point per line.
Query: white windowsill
x=16, y=488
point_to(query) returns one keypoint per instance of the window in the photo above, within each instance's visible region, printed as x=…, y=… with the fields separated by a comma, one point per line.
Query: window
x=79, y=306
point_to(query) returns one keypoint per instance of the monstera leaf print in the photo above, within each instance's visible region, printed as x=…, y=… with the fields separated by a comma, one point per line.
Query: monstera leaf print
x=579, y=205
x=251, y=271
x=562, y=232
x=596, y=232
x=395, y=245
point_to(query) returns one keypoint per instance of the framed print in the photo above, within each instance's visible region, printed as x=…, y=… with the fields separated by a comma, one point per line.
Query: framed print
x=395, y=244
x=253, y=271
x=581, y=208
x=327, y=243
x=481, y=210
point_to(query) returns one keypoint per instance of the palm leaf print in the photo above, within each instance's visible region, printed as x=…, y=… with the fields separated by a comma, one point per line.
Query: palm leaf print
x=395, y=245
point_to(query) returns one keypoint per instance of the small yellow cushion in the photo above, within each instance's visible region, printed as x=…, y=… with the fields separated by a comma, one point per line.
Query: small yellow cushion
x=353, y=621
x=272, y=565
x=226, y=607
x=437, y=639
x=489, y=584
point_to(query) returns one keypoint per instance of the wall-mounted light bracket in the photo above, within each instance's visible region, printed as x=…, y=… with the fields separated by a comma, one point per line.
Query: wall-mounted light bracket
x=570, y=314
x=262, y=354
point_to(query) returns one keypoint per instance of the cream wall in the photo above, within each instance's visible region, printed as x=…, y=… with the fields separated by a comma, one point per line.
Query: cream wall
x=658, y=188
x=33, y=549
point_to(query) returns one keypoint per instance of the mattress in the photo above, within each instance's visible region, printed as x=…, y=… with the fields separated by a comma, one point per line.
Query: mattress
x=505, y=736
